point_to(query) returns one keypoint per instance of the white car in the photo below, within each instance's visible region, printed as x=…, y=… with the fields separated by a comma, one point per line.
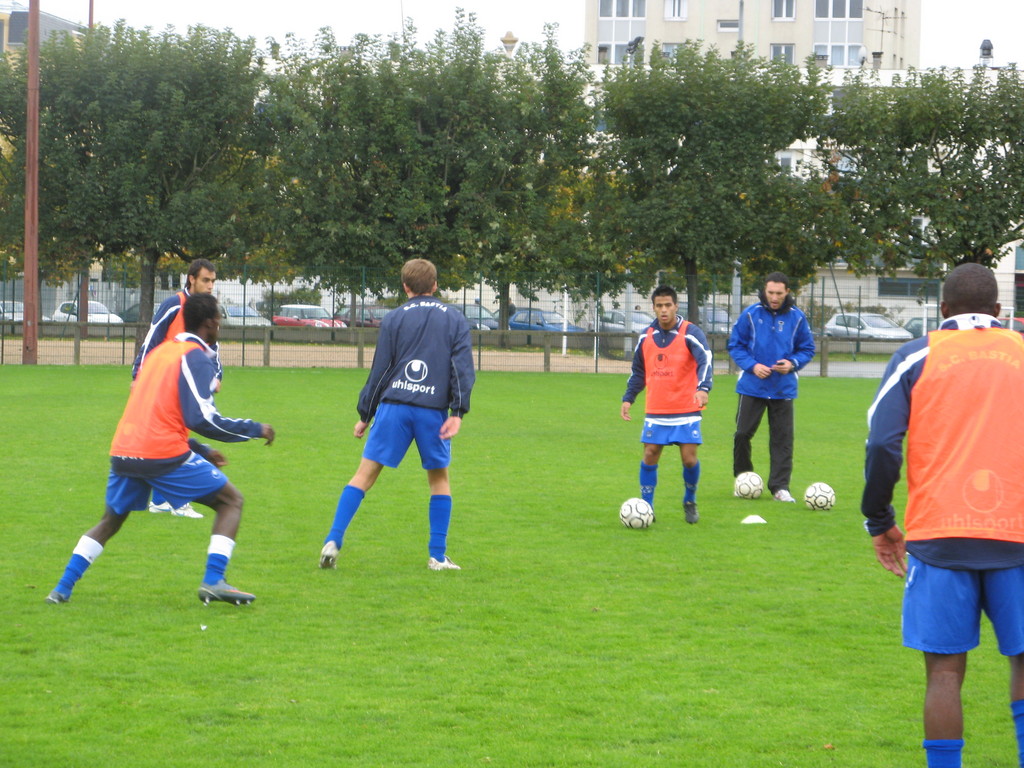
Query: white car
x=866, y=326
x=234, y=314
x=98, y=313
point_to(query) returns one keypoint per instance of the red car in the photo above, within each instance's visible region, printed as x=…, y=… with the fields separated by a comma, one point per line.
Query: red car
x=306, y=314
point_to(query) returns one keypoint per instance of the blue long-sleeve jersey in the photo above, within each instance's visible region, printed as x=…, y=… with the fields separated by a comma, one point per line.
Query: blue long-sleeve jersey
x=696, y=342
x=424, y=357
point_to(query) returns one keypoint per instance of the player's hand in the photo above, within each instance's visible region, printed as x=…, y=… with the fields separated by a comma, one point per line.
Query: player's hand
x=701, y=398
x=360, y=429
x=783, y=366
x=451, y=427
x=762, y=371
x=216, y=458
x=891, y=551
x=268, y=434
x=625, y=411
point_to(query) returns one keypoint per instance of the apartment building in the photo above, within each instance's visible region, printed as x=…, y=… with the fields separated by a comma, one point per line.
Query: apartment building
x=844, y=33
x=14, y=26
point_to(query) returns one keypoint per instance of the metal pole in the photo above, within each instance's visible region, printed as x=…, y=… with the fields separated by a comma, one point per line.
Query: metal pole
x=30, y=328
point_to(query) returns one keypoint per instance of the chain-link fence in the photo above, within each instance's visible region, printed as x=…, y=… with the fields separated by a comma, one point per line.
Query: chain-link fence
x=516, y=327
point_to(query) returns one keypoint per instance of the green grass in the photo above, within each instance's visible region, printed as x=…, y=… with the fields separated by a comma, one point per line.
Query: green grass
x=566, y=640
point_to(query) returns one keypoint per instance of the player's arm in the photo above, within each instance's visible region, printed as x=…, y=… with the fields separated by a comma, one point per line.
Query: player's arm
x=637, y=381
x=200, y=412
x=157, y=332
x=740, y=344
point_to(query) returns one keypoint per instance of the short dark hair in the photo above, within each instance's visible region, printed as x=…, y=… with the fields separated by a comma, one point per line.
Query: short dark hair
x=665, y=290
x=199, y=307
x=198, y=264
x=971, y=288
x=777, y=277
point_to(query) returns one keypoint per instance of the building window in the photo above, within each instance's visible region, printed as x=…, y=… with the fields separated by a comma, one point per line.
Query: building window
x=783, y=9
x=786, y=161
x=624, y=9
x=841, y=55
x=675, y=10
x=784, y=51
x=668, y=50
x=603, y=52
x=908, y=287
x=839, y=9
x=728, y=25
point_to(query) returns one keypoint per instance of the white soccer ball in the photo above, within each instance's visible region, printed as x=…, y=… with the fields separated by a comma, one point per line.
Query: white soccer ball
x=819, y=496
x=748, y=485
x=636, y=513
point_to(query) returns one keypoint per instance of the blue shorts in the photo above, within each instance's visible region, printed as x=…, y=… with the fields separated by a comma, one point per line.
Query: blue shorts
x=672, y=430
x=942, y=608
x=194, y=480
x=396, y=425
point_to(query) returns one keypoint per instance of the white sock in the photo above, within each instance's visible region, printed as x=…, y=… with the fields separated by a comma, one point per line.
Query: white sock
x=88, y=548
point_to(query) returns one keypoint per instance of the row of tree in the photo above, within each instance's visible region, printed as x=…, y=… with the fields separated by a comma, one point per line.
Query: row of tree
x=324, y=160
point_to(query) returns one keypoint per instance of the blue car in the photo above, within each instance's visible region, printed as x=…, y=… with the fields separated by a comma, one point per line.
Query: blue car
x=539, y=320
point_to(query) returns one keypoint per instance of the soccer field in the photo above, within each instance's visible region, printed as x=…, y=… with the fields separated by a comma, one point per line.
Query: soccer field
x=565, y=640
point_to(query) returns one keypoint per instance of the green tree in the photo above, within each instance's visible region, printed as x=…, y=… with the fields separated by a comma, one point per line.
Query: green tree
x=149, y=145
x=688, y=181
x=930, y=168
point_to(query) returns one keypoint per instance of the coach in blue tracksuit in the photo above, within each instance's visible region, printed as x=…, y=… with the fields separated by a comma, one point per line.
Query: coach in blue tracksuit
x=770, y=342
x=418, y=390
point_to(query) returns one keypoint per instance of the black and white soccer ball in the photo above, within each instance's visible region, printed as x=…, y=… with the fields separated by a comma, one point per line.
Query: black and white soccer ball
x=819, y=496
x=636, y=513
x=748, y=485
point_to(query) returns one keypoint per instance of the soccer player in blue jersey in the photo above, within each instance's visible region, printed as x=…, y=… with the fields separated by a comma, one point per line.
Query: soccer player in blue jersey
x=418, y=390
x=168, y=322
x=152, y=450
x=673, y=362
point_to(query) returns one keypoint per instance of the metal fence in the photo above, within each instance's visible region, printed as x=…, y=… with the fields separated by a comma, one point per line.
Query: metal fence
x=593, y=334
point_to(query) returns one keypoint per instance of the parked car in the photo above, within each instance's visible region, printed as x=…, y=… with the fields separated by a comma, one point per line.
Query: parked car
x=12, y=311
x=131, y=315
x=235, y=314
x=866, y=326
x=614, y=320
x=915, y=325
x=361, y=317
x=98, y=313
x=480, y=318
x=306, y=314
x=540, y=320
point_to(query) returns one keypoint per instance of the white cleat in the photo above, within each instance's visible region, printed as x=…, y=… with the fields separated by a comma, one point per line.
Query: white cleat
x=329, y=555
x=442, y=565
x=784, y=495
x=186, y=511
x=157, y=508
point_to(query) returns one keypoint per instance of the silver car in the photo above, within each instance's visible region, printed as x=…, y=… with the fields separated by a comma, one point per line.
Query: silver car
x=866, y=326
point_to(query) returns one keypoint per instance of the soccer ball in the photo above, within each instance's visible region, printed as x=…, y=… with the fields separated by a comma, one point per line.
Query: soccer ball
x=636, y=513
x=748, y=485
x=819, y=496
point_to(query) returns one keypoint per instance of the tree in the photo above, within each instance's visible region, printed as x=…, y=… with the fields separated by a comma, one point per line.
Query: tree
x=930, y=168
x=688, y=179
x=149, y=146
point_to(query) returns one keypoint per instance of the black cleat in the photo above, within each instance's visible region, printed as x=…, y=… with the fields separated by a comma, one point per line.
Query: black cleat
x=690, y=508
x=224, y=593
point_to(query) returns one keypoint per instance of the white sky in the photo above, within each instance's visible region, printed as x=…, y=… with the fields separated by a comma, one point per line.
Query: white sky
x=952, y=30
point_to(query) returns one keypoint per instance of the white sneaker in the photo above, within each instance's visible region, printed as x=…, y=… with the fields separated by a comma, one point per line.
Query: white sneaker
x=186, y=511
x=329, y=555
x=165, y=507
x=442, y=565
x=784, y=495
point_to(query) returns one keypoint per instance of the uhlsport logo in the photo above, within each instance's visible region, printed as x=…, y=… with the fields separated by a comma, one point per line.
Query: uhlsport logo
x=415, y=372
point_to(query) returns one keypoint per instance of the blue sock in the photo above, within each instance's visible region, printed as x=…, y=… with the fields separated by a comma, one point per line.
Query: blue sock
x=648, y=481
x=440, y=519
x=1017, y=707
x=348, y=505
x=216, y=565
x=691, y=476
x=75, y=569
x=943, y=753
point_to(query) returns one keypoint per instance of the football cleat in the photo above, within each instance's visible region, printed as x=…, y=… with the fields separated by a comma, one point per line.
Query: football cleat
x=224, y=593
x=329, y=555
x=57, y=597
x=442, y=565
x=783, y=494
x=156, y=508
x=690, y=508
x=185, y=510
